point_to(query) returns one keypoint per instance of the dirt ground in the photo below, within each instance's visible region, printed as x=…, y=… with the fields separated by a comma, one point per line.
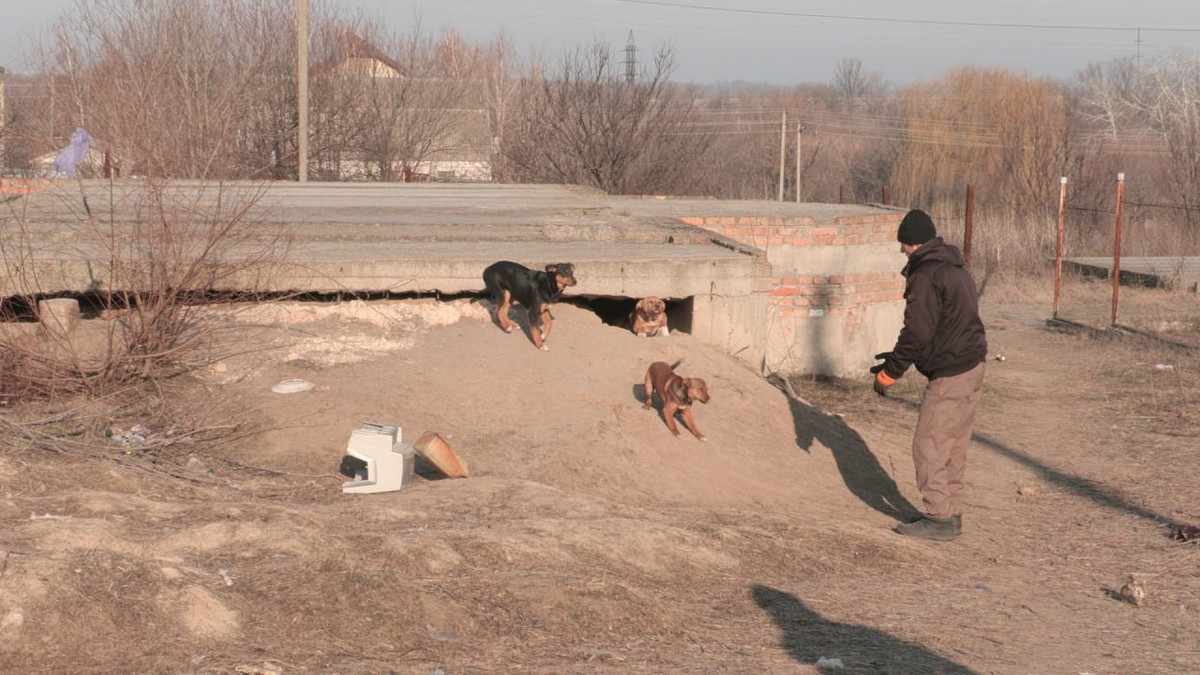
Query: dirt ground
x=587, y=538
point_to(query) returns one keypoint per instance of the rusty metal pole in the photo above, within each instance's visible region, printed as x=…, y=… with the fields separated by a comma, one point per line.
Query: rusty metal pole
x=1116, y=273
x=1058, y=247
x=969, y=226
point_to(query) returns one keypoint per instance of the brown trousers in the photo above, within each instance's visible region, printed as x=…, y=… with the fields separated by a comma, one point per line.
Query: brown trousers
x=941, y=439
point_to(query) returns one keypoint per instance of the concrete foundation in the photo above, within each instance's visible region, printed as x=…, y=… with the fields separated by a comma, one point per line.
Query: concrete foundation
x=59, y=316
x=790, y=288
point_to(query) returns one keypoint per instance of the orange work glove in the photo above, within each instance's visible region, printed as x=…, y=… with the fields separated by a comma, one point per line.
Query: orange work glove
x=882, y=379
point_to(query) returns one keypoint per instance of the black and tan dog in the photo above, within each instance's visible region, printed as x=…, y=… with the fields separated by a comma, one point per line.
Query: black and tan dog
x=677, y=394
x=649, y=317
x=535, y=290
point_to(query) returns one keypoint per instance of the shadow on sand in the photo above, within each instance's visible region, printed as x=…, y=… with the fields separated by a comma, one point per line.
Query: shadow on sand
x=860, y=470
x=1097, y=492
x=868, y=481
x=808, y=637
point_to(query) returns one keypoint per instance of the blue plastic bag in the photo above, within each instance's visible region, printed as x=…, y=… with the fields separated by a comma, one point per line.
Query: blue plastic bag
x=73, y=153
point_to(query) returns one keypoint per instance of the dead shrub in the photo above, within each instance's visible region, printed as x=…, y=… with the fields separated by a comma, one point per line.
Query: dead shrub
x=154, y=251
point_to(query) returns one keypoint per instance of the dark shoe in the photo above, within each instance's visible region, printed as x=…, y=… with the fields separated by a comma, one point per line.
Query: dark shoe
x=957, y=522
x=930, y=528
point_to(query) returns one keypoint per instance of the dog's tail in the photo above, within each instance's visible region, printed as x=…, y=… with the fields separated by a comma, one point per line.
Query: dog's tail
x=676, y=364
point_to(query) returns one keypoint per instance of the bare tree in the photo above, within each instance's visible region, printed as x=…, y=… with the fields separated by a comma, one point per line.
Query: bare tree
x=414, y=94
x=335, y=99
x=24, y=104
x=1106, y=92
x=497, y=65
x=854, y=86
x=587, y=123
x=1170, y=102
x=851, y=137
x=742, y=160
x=194, y=88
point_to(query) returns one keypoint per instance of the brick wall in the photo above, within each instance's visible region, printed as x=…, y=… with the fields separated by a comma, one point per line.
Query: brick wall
x=834, y=282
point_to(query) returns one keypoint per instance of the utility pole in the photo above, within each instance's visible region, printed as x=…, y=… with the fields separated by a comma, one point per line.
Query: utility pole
x=2, y=72
x=799, y=130
x=302, y=88
x=1137, y=60
x=782, y=151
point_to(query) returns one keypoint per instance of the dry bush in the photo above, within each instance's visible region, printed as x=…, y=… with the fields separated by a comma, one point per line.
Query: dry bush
x=154, y=250
x=1001, y=242
x=1008, y=135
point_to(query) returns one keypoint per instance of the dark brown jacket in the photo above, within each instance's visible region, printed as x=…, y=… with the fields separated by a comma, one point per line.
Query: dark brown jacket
x=942, y=334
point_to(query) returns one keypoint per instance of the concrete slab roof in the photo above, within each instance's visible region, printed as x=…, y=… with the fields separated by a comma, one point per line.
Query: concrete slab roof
x=422, y=237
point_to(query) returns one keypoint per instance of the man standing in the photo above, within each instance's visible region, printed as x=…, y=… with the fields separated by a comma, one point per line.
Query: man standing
x=944, y=338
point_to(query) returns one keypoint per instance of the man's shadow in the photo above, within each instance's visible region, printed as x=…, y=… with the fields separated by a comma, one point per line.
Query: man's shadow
x=808, y=637
x=860, y=470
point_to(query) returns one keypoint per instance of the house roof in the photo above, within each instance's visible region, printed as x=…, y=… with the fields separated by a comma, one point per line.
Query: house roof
x=358, y=48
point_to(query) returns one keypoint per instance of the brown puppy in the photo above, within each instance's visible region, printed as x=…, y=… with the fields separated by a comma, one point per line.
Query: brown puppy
x=677, y=394
x=649, y=317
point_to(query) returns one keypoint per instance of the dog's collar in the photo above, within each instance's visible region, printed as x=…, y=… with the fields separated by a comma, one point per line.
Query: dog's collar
x=679, y=391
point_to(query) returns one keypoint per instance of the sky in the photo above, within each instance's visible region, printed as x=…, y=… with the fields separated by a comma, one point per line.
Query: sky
x=779, y=42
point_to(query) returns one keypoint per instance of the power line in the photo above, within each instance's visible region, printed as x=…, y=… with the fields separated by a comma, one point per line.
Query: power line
x=896, y=129
x=923, y=22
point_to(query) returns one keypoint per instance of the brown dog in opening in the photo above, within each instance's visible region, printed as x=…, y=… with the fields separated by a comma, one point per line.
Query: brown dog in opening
x=677, y=394
x=649, y=317
x=535, y=290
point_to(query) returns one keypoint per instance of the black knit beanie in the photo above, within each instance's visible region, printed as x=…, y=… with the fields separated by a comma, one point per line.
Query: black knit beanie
x=916, y=228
